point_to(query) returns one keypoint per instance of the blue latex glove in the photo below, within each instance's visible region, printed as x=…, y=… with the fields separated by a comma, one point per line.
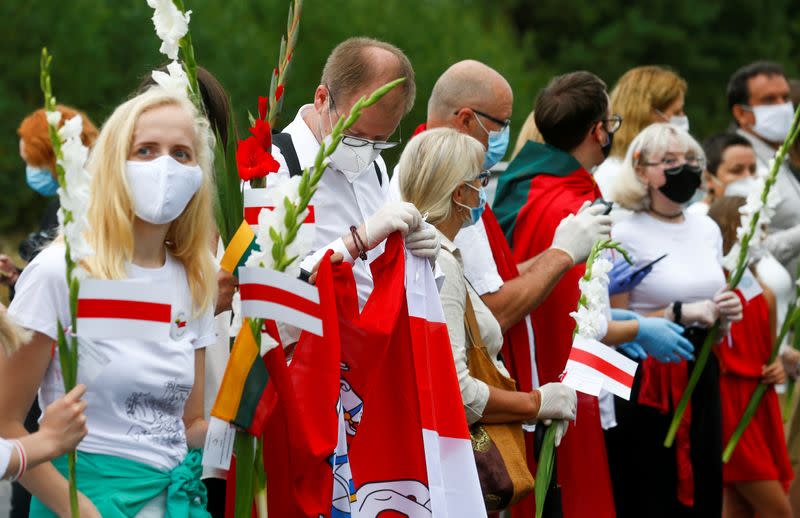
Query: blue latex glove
x=633, y=351
x=623, y=276
x=660, y=338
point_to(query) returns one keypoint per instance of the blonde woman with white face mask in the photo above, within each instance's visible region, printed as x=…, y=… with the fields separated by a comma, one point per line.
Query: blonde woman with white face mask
x=441, y=174
x=150, y=220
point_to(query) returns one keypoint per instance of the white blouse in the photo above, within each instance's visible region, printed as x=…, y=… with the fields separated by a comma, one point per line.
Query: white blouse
x=474, y=392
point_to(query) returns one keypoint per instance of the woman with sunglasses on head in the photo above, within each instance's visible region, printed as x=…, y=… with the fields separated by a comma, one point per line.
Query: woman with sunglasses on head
x=660, y=174
x=441, y=175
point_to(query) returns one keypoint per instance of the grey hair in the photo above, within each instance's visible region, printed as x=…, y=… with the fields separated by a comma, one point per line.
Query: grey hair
x=653, y=142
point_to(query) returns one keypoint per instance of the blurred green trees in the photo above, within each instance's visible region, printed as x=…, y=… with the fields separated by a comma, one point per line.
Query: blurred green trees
x=102, y=48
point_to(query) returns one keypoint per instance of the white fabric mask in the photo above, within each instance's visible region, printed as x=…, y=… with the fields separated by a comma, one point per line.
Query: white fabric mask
x=352, y=161
x=680, y=121
x=773, y=121
x=161, y=188
x=741, y=187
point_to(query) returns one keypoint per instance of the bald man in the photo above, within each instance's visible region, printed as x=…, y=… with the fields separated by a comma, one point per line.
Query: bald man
x=475, y=99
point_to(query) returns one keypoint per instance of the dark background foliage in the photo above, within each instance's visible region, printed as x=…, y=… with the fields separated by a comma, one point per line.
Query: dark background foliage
x=102, y=48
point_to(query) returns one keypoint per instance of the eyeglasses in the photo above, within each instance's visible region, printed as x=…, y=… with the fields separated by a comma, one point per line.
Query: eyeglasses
x=612, y=125
x=484, y=177
x=673, y=162
x=502, y=123
x=379, y=145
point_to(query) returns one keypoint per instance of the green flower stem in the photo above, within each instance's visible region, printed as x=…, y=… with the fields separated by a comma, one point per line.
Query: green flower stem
x=67, y=345
x=190, y=63
x=544, y=468
x=284, y=60
x=758, y=394
x=742, y=262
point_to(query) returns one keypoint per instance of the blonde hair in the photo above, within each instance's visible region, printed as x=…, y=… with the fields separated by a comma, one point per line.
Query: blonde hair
x=432, y=166
x=12, y=337
x=652, y=143
x=529, y=132
x=111, y=211
x=638, y=92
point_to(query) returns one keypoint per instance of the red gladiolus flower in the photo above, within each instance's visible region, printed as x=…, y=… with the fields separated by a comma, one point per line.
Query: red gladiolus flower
x=263, y=107
x=253, y=161
x=278, y=93
x=262, y=132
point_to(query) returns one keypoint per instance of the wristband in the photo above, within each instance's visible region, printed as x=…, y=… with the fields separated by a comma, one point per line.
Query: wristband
x=22, y=460
x=362, y=250
x=676, y=311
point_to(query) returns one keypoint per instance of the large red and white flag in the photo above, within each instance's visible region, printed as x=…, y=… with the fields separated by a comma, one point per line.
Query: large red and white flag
x=109, y=309
x=452, y=476
x=274, y=295
x=592, y=366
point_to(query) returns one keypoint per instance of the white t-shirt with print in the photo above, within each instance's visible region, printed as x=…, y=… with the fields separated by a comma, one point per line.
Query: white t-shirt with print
x=135, y=405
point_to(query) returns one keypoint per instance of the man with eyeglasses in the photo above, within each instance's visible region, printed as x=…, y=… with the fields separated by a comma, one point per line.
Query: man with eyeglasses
x=475, y=99
x=353, y=215
x=543, y=185
x=759, y=100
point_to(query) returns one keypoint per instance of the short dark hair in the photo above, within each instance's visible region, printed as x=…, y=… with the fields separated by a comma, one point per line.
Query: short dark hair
x=568, y=107
x=715, y=146
x=738, y=92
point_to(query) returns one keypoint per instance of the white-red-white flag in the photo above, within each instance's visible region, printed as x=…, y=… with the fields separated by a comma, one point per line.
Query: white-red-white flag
x=274, y=295
x=592, y=366
x=453, y=482
x=255, y=200
x=109, y=309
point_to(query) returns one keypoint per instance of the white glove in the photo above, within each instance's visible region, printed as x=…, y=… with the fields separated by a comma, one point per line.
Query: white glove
x=391, y=217
x=561, y=430
x=558, y=402
x=577, y=233
x=703, y=313
x=729, y=305
x=424, y=241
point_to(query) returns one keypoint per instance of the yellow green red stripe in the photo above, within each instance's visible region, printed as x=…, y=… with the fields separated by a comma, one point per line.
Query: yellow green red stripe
x=239, y=249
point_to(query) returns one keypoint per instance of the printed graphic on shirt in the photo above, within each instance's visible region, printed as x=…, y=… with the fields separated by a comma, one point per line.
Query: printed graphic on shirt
x=160, y=418
x=179, y=325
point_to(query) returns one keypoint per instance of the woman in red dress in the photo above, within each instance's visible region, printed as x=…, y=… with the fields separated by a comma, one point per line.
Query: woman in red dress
x=758, y=474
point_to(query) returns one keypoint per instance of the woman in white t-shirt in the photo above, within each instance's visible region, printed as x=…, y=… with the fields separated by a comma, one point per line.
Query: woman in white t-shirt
x=150, y=219
x=660, y=174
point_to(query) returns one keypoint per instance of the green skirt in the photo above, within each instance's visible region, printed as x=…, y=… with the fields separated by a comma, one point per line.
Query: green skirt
x=120, y=488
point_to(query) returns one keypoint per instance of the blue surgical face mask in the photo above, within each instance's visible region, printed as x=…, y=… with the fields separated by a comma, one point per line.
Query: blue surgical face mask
x=40, y=180
x=475, y=213
x=498, y=144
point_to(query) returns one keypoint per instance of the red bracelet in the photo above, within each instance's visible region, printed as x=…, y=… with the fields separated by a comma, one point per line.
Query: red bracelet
x=362, y=250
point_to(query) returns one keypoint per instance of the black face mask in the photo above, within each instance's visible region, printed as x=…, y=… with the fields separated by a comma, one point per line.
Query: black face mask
x=682, y=182
x=606, y=149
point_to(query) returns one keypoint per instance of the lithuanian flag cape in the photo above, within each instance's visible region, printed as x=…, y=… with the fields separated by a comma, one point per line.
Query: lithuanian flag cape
x=540, y=188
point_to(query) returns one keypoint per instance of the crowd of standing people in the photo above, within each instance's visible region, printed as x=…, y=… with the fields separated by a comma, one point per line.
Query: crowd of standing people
x=508, y=271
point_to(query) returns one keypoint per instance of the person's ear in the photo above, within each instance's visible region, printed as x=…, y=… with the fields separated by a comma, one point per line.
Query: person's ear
x=460, y=194
x=743, y=116
x=708, y=181
x=461, y=121
x=321, y=98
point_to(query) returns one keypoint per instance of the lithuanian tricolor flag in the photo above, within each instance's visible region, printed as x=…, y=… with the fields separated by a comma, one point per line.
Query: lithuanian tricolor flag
x=242, y=389
x=239, y=249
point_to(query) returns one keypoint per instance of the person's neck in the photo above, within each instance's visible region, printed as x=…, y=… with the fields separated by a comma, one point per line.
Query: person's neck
x=665, y=210
x=149, y=250
x=450, y=227
x=773, y=145
x=312, y=120
x=583, y=156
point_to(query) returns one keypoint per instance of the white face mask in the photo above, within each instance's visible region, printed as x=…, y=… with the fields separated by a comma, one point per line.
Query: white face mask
x=741, y=187
x=680, y=121
x=773, y=121
x=161, y=188
x=352, y=161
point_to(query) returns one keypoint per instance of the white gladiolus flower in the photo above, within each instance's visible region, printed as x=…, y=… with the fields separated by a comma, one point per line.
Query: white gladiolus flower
x=71, y=129
x=591, y=324
x=174, y=80
x=171, y=25
x=53, y=118
x=75, y=194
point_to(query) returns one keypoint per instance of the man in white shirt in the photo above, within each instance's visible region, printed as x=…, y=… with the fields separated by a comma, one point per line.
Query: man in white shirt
x=758, y=97
x=353, y=191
